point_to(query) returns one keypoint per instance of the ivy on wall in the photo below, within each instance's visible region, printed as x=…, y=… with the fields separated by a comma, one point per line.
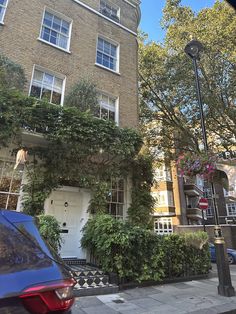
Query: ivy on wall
x=79, y=150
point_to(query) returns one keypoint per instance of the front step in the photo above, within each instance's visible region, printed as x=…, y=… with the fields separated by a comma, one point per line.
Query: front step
x=91, y=281
x=74, y=261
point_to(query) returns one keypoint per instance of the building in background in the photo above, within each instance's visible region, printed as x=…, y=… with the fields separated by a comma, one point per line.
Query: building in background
x=177, y=197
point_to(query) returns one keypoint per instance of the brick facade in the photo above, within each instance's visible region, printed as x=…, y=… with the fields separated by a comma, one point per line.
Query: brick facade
x=20, y=42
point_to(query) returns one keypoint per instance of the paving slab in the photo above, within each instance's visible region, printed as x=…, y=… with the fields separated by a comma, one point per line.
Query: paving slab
x=196, y=297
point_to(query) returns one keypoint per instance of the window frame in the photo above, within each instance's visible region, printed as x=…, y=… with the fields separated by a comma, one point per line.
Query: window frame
x=53, y=73
x=116, y=99
x=112, y=42
x=62, y=17
x=113, y=6
x=4, y=13
x=230, y=212
x=12, y=176
x=163, y=173
x=161, y=221
x=117, y=203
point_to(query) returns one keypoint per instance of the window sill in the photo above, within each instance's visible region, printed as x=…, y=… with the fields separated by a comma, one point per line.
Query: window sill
x=55, y=46
x=2, y=23
x=105, y=68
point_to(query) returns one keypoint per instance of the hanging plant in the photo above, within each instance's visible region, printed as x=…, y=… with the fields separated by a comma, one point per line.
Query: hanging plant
x=190, y=164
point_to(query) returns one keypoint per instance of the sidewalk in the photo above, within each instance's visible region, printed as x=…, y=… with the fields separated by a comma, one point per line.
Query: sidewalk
x=197, y=297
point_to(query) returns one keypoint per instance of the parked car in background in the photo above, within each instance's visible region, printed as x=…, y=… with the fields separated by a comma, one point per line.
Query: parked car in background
x=230, y=252
x=32, y=278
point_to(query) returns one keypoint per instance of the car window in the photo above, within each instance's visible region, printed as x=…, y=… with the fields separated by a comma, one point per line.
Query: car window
x=18, y=253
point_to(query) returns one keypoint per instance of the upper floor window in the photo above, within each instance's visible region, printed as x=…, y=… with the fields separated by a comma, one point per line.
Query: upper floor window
x=107, y=54
x=47, y=86
x=162, y=173
x=3, y=6
x=110, y=10
x=56, y=30
x=163, y=198
x=107, y=107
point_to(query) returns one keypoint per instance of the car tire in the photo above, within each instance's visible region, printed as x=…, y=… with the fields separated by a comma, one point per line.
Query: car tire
x=230, y=259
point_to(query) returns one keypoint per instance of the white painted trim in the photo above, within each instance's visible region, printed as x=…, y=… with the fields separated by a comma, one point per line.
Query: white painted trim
x=115, y=6
x=116, y=103
x=54, y=73
x=63, y=17
x=132, y=5
x=105, y=17
x=4, y=12
x=115, y=43
x=53, y=45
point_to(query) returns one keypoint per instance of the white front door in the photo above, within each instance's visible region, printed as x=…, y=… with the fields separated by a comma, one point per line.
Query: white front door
x=69, y=206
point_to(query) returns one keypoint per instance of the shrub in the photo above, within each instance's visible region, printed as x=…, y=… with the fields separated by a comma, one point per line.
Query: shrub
x=49, y=229
x=136, y=253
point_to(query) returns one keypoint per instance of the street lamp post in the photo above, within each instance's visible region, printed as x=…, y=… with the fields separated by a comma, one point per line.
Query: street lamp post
x=225, y=288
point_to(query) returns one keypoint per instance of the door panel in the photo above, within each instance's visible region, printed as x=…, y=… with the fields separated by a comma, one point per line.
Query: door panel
x=70, y=209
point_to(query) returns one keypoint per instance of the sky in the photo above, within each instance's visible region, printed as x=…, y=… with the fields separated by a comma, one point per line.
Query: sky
x=152, y=13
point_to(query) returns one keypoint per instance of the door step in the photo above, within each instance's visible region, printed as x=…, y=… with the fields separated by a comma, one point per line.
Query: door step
x=91, y=281
x=74, y=261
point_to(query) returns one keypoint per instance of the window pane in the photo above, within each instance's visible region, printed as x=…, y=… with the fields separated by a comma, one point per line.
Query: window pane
x=107, y=47
x=3, y=2
x=46, y=94
x=48, y=19
x=100, y=44
x=45, y=34
x=62, y=41
x=112, y=115
x=56, y=98
x=99, y=57
x=104, y=113
x=106, y=61
x=35, y=91
x=65, y=27
x=38, y=75
x=48, y=79
x=113, y=50
x=58, y=84
x=56, y=23
x=120, y=197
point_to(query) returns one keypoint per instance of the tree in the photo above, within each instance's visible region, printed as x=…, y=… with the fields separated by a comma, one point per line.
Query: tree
x=83, y=96
x=12, y=75
x=169, y=110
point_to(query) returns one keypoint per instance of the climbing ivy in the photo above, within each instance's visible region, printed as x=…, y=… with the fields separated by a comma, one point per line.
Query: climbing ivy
x=79, y=150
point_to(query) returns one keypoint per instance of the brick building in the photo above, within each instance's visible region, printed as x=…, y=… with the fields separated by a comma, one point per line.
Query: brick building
x=57, y=43
x=177, y=197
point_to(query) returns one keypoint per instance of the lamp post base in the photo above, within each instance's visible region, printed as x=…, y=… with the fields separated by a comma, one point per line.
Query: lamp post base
x=225, y=287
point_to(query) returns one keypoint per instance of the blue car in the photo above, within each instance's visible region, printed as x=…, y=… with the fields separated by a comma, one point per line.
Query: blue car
x=230, y=252
x=32, y=278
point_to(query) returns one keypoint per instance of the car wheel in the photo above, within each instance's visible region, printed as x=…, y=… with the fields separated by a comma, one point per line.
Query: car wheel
x=230, y=259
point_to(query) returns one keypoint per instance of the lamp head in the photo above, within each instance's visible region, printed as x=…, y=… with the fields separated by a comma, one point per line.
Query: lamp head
x=193, y=49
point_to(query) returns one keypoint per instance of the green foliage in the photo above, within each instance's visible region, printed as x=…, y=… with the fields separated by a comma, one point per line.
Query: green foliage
x=138, y=254
x=49, y=229
x=83, y=96
x=183, y=255
x=12, y=103
x=12, y=75
x=142, y=200
x=79, y=149
x=169, y=108
x=196, y=239
x=98, y=202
